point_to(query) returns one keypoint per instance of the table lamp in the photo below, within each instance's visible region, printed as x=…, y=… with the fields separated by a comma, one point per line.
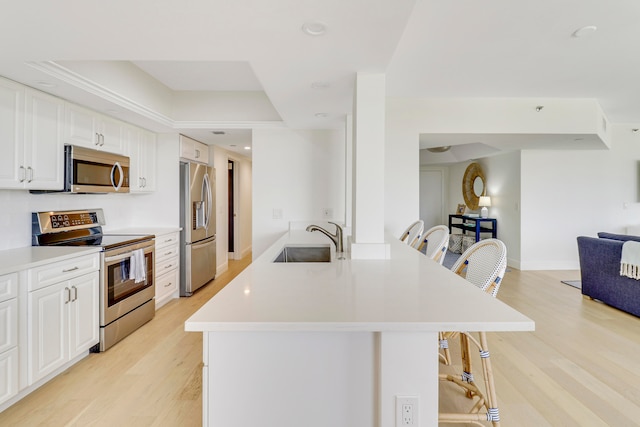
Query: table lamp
x=484, y=202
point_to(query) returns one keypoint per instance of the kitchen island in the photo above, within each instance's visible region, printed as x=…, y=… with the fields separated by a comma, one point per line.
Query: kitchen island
x=334, y=344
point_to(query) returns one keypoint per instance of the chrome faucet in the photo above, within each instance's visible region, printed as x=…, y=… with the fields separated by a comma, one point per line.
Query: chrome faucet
x=335, y=238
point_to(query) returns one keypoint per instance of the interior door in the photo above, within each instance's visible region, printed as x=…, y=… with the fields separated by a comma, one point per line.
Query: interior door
x=431, y=198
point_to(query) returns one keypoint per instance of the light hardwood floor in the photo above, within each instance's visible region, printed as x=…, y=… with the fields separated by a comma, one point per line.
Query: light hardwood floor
x=579, y=368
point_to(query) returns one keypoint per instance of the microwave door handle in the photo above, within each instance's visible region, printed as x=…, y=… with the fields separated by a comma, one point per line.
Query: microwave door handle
x=113, y=170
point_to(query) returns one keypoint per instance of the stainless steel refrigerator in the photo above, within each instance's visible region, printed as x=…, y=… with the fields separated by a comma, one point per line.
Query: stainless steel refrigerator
x=198, y=222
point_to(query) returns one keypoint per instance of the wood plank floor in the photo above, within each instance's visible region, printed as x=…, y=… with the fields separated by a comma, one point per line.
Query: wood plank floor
x=579, y=368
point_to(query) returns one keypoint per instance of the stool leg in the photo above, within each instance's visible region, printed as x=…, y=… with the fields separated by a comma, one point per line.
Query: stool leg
x=488, y=381
x=467, y=369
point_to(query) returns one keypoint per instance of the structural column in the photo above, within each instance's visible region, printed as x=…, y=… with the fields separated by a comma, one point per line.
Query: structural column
x=368, y=168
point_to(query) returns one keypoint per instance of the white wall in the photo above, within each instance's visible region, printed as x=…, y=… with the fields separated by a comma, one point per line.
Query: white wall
x=566, y=194
x=298, y=172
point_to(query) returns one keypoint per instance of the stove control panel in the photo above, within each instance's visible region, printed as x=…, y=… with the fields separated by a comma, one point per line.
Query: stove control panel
x=52, y=222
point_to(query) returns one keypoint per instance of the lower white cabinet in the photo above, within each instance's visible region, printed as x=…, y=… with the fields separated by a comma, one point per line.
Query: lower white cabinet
x=8, y=336
x=167, y=267
x=63, y=323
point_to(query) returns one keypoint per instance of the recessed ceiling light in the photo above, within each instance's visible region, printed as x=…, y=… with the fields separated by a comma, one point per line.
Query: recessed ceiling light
x=45, y=84
x=320, y=85
x=218, y=132
x=314, y=28
x=635, y=130
x=321, y=115
x=584, y=31
x=439, y=149
x=247, y=148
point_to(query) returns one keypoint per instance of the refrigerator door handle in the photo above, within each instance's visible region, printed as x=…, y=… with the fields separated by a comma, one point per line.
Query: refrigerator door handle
x=206, y=196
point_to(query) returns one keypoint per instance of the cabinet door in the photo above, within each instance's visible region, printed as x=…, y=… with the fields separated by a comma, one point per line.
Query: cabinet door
x=47, y=330
x=12, y=171
x=80, y=127
x=148, y=160
x=44, y=155
x=8, y=374
x=111, y=138
x=8, y=324
x=142, y=152
x=84, y=327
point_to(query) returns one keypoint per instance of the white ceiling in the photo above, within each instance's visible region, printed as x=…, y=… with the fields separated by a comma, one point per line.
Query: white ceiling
x=427, y=48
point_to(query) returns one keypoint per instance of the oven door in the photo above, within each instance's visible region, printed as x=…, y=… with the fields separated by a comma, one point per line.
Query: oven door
x=119, y=293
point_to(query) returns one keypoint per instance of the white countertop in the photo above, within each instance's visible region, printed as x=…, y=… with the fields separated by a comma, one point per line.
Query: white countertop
x=408, y=292
x=12, y=260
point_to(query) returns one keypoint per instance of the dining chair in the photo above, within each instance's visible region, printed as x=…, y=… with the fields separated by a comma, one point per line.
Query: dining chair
x=436, y=241
x=484, y=265
x=413, y=233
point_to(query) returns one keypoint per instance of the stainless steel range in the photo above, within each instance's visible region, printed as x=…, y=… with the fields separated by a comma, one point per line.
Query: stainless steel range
x=127, y=277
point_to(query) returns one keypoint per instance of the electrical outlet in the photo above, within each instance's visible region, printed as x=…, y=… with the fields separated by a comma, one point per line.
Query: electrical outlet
x=407, y=411
x=327, y=213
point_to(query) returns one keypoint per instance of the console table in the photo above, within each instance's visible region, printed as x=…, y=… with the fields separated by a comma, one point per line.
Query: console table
x=474, y=224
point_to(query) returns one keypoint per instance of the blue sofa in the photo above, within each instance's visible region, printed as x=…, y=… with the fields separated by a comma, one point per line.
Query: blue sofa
x=600, y=271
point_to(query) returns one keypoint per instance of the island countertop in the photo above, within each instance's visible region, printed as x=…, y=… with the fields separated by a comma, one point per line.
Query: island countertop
x=407, y=292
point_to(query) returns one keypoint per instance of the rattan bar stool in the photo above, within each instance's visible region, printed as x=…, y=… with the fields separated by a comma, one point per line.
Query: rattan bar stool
x=413, y=233
x=484, y=265
x=436, y=240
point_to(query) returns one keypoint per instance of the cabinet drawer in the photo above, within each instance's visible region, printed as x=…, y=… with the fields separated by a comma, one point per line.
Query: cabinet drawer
x=8, y=374
x=40, y=277
x=8, y=324
x=167, y=240
x=166, y=265
x=162, y=254
x=8, y=286
x=167, y=283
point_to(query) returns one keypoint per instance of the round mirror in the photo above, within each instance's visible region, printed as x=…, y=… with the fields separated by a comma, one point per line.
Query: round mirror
x=473, y=185
x=478, y=186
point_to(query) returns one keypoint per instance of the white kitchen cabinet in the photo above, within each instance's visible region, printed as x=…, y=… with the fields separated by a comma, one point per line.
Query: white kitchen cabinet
x=167, y=267
x=8, y=336
x=63, y=315
x=142, y=153
x=31, y=127
x=89, y=129
x=193, y=150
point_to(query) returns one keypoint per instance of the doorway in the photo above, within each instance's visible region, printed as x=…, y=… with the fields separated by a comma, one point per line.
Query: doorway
x=231, y=208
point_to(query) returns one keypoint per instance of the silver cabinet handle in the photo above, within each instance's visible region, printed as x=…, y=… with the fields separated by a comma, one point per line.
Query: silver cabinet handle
x=97, y=142
x=75, y=293
x=101, y=140
x=30, y=169
x=197, y=154
x=168, y=253
x=168, y=284
x=168, y=266
x=144, y=180
x=68, y=295
x=23, y=175
x=70, y=269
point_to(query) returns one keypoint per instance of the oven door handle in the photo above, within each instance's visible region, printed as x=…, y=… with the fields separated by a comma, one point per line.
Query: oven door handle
x=113, y=172
x=118, y=257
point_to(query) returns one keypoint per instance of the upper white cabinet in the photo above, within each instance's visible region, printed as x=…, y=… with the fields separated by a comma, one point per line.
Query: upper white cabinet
x=31, y=125
x=142, y=153
x=193, y=150
x=89, y=129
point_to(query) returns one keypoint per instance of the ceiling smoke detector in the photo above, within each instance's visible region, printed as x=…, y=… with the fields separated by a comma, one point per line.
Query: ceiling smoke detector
x=442, y=149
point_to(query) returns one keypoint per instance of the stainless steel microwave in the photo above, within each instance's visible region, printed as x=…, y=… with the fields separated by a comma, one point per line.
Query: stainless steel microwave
x=93, y=171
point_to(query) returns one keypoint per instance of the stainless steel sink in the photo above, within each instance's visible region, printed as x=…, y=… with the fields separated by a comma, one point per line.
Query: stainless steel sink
x=304, y=254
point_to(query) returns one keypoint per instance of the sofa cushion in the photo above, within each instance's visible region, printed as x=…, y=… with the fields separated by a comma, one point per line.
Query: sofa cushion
x=621, y=237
